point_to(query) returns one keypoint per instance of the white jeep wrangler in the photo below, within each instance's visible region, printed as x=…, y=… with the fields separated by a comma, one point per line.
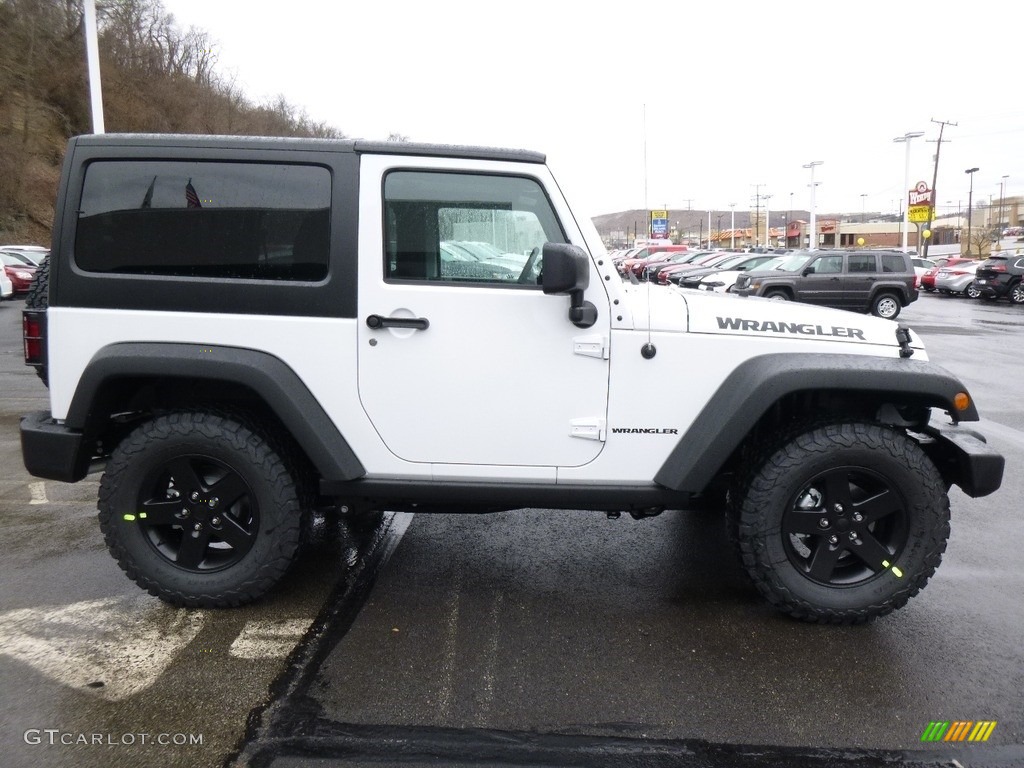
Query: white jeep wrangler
x=240, y=331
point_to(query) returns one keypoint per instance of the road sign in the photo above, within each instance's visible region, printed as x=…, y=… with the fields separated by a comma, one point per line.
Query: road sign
x=919, y=214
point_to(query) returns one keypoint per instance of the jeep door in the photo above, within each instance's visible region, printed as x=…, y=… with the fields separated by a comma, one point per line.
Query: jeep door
x=464, y=359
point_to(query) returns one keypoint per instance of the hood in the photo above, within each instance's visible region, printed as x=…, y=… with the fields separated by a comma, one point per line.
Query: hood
x=708, y=312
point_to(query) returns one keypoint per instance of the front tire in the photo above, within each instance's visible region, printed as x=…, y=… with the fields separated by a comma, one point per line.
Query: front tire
x=1017, y=294
x=972, y=292
x=777, y=295
x=200, y=509
x=841, y=524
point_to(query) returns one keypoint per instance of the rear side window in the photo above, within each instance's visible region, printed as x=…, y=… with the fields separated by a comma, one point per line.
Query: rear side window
x=893, y=262
x=861, y=262
x=205, y=219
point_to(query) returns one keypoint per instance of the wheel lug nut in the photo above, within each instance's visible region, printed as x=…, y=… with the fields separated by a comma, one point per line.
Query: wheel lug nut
x=833, y=539
x=213, y=502
x=858, y=517
x=823, y=522
x=197, y=527
x=853, y=535
x=838, y=508
x=214, y=521
x=194, y=496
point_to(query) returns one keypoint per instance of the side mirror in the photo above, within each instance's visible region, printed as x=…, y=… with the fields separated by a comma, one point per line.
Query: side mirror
x=566, y=270
x=808, y=271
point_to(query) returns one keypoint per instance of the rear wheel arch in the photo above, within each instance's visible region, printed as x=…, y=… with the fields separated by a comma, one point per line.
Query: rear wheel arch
x=129, y=381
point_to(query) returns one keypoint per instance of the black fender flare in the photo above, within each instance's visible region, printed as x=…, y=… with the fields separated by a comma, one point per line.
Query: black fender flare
x=266, y=375
x=760, y=382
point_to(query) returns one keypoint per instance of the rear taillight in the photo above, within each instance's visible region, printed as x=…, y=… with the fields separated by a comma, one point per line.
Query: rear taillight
x=33, y=331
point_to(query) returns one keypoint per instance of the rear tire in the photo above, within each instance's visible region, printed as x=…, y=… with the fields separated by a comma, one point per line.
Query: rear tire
x=886, y=306
x=841, y=524
x=1017, y=294
x=971, y=291
x=777, y=295
x=201, y=509
x=38, y=297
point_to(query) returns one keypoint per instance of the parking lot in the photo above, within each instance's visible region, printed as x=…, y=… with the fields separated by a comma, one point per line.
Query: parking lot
x=533, y=637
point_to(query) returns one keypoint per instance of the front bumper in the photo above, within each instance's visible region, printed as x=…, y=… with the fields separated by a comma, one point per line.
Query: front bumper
x=53, y=451
x=964, y=458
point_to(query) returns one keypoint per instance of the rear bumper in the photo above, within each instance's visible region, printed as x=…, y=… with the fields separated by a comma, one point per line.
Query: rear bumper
x=51, y=450
x=965, y=459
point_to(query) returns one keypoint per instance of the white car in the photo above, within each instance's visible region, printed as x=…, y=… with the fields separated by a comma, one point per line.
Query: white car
x=30, y=254
x=6, y=286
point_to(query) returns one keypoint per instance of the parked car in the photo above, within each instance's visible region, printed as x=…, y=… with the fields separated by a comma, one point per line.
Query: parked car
x=958, y=280
x=651, y=271
x=637, y=261
x=6, y=286
x=29, y=254
x=724, y=274
x=667, y=275
x=920, y=267
x=926, y=282
x=999, y=276
x=18, y=272
x=879, y=282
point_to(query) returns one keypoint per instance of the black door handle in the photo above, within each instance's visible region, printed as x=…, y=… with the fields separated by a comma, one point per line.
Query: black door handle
x=379, y=321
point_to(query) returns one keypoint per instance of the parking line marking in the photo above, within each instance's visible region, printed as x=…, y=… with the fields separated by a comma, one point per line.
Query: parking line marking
x=38, y=491
x=112, y=648
x=269, y=639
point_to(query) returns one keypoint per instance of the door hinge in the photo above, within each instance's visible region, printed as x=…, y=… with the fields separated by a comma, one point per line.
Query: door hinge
x=587, y=429
x=591, y=346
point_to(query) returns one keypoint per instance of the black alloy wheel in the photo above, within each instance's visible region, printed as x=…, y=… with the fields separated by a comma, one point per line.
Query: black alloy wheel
x=202, y=508
x=841, y=523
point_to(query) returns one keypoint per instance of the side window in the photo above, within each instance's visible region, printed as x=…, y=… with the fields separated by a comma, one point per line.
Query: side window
x=860, y=262
x=893, y=262
x=460, y=228
x=205, y=219
x=828, y=265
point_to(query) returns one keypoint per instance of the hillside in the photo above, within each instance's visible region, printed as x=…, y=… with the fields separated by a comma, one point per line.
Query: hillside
x=156, y=78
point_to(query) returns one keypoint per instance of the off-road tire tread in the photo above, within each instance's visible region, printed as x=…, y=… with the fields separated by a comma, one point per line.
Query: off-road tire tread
x=774, y=460
x=282, y=519
x=38, y=297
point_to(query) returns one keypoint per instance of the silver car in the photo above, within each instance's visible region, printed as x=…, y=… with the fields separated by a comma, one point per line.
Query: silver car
x=957, y=280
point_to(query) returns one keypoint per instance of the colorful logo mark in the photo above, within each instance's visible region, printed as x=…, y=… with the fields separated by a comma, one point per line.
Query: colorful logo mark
x=958, y=730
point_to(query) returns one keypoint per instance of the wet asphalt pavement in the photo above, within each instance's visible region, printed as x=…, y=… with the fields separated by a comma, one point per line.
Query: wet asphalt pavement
x=534, y=637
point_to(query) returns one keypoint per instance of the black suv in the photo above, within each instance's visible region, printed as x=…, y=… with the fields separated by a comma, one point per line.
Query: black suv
x=999, y=276
x=879, y=282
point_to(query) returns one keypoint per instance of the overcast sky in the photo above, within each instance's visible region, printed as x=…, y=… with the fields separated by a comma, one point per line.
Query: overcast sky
x=640, y=104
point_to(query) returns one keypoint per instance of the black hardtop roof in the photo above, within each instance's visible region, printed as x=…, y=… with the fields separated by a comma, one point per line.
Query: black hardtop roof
x=359, y=146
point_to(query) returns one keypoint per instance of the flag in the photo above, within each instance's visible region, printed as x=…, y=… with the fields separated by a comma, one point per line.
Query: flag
x=191, y=198
x=147, y=201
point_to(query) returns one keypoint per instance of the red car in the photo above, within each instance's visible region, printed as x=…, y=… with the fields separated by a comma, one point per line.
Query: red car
x=665, y=275
x=20, y=273
x=641, y=258
x=928, y=278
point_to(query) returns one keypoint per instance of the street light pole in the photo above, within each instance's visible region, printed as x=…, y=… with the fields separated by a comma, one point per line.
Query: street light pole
x=1002, y=189
x=970, y=204
x=905, y=138
x=812, y=245
x=863, y=198
x=767, y=223
x=732, y=227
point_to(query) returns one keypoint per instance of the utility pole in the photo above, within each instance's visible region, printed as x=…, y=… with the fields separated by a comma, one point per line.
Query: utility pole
x=935, y=177
x=757, y=213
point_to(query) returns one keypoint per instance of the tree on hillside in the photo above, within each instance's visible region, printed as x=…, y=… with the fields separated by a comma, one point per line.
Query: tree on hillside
x=156, y=78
